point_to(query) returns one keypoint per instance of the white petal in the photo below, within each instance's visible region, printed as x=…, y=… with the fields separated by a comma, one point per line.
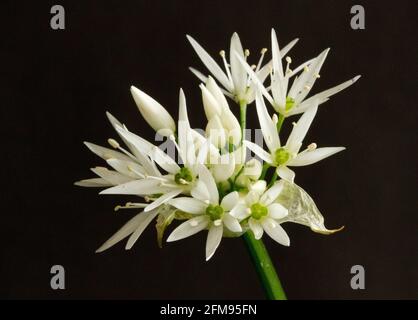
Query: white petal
x=198, y=74
x=256, y=228
x=275, y=231
x=213, y=240
x=239, y=211
x=189, y=205
x=164, y=160
x=299, y=131
x=272, y=193
x=183, y=117
x=232, y=223
x=94, y=182
x=224, y=167
x=251, y=198
x=275, y=51
x=309, y=157
x=111, y=176
x=259, y=187
x=127, y=168
x=217, y=93
x=163, y=199
x=258, y=151
x=136, y=187
x=210, y=104
x=189, y=228
x=286, y=173
x=287, y=47
x=212, y=66
x=200, y=191
x=268, y=127
x=209, y=181
x=216, y=132
x=106, y=153
x=125, y=231
x=238, y=73
x=277, y=211
x=148, y=217
x=230, y=200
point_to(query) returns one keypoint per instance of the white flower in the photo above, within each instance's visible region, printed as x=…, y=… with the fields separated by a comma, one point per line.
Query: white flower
x=288, y=155
x=291, y=102
x=262, y=212
x=209, y=212
x=154, y=113
x=250, y=173
x=235, y=80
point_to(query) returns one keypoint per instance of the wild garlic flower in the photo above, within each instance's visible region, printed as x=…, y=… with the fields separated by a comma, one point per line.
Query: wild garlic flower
x=290, y=101
x=237, y=84
x=282, y=157
x=262, y=212
x=209, y=213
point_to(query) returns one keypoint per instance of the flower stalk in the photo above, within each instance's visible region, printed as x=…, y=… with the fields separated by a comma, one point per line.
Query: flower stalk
x=256, y=248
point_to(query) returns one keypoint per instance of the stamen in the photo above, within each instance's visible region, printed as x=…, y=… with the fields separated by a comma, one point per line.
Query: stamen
x=275, y=118
x=318, y=75
x=289, y=60
x=113, y=143
x=217, y=222
x=206, y=201
x=132, y=169
x=263, y=52
x=228, y=72
x=246, y=53
x=312, y=146
x=131, y=205
x=307, y=87
x=294, y=124
x=193, y=223
x=306, y=69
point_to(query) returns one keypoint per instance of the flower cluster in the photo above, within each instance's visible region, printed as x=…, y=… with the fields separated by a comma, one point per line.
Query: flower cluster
x=215, y=185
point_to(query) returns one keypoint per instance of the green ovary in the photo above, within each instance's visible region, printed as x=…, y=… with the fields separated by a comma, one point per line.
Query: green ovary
x=289, y=103
x=215, y=212
x=281, y=156
x=258, y=211
x=183, y=176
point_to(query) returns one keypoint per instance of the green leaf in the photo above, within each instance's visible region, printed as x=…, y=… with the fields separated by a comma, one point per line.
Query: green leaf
x=302, y=209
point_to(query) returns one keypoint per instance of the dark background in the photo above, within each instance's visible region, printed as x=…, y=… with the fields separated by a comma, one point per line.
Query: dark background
x=56, y=86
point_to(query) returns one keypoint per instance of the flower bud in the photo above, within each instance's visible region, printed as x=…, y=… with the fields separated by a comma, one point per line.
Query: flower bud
x=210, y=104
x=252, y=169
x=154, y=113
x=216, y=132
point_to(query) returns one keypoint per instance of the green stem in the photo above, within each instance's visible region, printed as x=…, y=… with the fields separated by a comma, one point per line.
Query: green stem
x=280, y=122
x=265, y=268
x=273, y=178
x=258, y=252
x=266, y=166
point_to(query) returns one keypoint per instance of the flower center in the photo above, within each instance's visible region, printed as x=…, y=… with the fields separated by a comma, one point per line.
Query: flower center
x=281, y=156
x=184, y=176
x=215, y=212
x=258, y=211
x=289, y=103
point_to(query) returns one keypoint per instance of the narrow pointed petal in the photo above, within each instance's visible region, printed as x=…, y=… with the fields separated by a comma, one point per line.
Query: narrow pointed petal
x=189, y=228
x=275, y=231
x=123, y=232
x=212, y=66
x=268, y=127
x=94, y=182
x=163, y=199
x=256, y=228
x=200, y=191
x=213, y=240
x=111, y=176
x=147, y=218
x=232, y=223
x=238, y=73
x=286, y=173
x=217, y=93
x=209, y=181
x=277, y=57
x=230, y=200
x=199, y=75
x=310, y=157
x=136, y=187
x=106, y=153
x=299, y=131
x=127, y=168
x=288, y=47
x=272, y=193
x=239, y=211
x=164, y=160
x=189, y=205
x=183, y=117
x=258, y=151
x=277, y=211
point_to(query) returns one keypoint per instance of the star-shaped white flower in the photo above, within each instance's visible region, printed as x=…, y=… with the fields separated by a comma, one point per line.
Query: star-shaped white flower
x=288, y=155
x=234, y=79
x=291, y=101
x=262, y=212
x=209, y=212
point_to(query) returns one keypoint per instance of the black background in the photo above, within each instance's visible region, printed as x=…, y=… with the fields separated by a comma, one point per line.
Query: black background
x=57, y=85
